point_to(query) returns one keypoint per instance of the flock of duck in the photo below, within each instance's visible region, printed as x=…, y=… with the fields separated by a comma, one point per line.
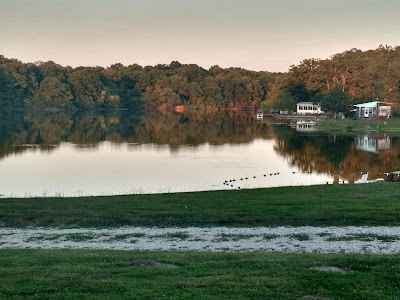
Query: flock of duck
x=232, y=182
x=363, y=179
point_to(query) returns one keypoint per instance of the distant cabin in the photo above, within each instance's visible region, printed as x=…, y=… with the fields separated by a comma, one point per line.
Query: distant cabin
x=373, y=109
x=308, y=108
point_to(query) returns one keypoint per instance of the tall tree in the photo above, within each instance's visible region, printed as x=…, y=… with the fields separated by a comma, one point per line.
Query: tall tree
x=335, y=101
x=285, y=101
x=52, y=94
x=87, y=88
x=8, y=93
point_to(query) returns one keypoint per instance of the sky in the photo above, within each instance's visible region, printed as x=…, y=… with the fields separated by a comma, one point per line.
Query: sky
x=260, y=35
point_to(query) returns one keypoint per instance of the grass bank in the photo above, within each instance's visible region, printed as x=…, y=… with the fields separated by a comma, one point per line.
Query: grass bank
x=88, y=274
x=351, y=125
x=332, y=205
x=107, y=274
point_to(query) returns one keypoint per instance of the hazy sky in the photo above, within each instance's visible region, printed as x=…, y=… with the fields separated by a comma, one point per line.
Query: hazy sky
x=266, y=35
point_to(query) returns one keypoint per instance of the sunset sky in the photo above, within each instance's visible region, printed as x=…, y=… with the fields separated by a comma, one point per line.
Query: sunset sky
x=265, y=35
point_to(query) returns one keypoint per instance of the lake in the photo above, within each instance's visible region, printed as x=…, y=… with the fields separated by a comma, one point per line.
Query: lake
x=106, y=153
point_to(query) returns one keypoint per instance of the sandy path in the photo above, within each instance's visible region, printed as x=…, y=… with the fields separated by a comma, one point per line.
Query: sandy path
x=382, y=240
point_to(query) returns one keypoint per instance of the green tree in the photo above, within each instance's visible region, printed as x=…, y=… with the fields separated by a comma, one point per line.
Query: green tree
x=299, y=92
x=335, y=101
x=285, y=101
x=52, y=94
x=51, y=69
x=130, y=95
x=8, y=92
x=87, y=88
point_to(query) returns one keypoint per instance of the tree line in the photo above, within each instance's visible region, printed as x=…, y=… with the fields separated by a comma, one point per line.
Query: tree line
x=52, y=86
x=346, y=78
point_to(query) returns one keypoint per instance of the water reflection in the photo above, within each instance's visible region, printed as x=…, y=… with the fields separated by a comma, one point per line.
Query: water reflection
x=373, y=143
x=344, y=155
x=306, y=126
x=313, y=152
x=121, y=152
x=20, y=131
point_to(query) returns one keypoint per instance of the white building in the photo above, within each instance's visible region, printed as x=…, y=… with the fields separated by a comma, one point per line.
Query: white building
x=373, y=109
x=373, y=144
x=308, y=108
x=306, y=126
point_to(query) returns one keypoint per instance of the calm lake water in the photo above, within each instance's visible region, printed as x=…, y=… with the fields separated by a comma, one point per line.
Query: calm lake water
x=119, y=153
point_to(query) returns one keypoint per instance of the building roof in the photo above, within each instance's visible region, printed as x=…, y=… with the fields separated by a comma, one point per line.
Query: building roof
x=370, y=104
x=305, y=103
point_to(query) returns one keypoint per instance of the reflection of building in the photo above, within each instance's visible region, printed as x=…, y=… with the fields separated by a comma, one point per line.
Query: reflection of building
x=306, y=126
x=304, y=108
x=373, y=109
x=374, y=144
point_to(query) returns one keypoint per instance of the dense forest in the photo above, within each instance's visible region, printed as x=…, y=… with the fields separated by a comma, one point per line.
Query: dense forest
x=346, y=78
x=51, y=86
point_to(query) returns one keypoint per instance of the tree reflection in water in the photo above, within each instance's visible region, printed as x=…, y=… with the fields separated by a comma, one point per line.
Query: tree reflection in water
x=312, y=152
x=335, y=154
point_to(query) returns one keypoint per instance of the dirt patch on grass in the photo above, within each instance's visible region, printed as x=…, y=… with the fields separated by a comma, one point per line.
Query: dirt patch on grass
x=329, y=269
x=313, y=298
x=150, y=264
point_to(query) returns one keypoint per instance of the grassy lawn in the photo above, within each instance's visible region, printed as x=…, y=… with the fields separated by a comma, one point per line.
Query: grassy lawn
x=366, y=204
x=107, y=274
x=87, y=274
x=349, y=125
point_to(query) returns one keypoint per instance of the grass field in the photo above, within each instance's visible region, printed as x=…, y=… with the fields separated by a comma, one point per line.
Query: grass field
x=87, y=274
x=331, y=205
x=108, y=274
